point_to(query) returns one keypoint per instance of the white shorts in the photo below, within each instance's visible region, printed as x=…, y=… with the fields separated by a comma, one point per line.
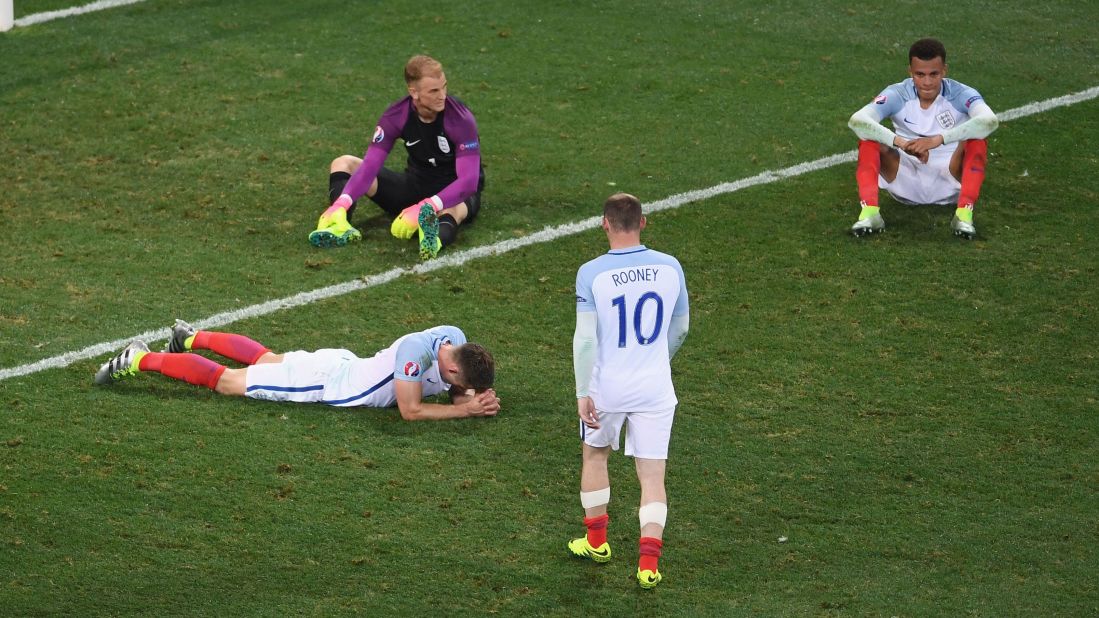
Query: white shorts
x=300, y=377
x=917, y=183
x=647, y=433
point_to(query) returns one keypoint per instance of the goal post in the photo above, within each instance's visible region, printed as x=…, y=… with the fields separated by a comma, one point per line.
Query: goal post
x=7, y=15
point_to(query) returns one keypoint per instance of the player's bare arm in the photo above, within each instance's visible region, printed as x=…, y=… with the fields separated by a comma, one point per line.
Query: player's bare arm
x=413, y=408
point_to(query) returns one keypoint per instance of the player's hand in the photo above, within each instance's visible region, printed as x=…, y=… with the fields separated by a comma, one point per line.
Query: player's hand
x=922, y=146
x=406, y=223
x=585, y=407
x=344, y=201
x=485, y=403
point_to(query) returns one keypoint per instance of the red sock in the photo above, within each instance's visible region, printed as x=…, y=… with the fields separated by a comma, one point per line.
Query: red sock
x=650, y=553
x=867, y=170
x=597, y=529
x=190, y=368
x=973, y=171
x=236, y=347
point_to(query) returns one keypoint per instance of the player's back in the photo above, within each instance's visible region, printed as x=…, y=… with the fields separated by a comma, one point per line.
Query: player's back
x=634, y=293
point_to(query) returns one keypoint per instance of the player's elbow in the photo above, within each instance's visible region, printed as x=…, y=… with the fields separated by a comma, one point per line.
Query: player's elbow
x=409, y=413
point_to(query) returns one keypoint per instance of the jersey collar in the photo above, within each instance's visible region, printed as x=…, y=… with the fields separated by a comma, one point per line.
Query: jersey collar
x=628, y=250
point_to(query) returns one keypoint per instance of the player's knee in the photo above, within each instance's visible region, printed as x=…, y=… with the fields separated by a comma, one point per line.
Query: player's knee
x=345, y=163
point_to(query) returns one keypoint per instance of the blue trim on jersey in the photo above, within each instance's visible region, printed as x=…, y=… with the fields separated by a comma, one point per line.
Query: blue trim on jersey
x=366, y=393
x=628, y=251
x=285, y=389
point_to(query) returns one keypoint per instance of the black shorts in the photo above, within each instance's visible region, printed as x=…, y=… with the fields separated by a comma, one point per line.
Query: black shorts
x=399, y=190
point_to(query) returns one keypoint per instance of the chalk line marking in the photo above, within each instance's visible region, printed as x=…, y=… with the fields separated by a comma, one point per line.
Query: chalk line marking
x=38, y=18
x=457, y=259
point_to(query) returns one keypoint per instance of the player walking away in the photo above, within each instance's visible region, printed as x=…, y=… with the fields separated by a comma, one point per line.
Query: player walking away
x=417, y=365
x=631, y=317
x=441, y=186
x=938, y=151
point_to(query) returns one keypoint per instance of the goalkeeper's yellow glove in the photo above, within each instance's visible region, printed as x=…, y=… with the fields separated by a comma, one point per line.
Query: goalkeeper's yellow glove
x=406, y=223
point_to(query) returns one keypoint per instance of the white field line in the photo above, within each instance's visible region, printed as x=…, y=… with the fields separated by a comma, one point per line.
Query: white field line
x=38, y=18
x=457, y=259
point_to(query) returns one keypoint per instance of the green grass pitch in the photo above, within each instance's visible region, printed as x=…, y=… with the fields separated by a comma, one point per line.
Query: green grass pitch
x=916, y=416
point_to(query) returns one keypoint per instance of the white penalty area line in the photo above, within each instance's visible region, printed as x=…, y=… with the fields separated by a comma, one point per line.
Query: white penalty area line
x=38, y=18
x=457, y=259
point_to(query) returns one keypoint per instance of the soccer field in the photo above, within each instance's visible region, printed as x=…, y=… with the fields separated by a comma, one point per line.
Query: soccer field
x=902, y=425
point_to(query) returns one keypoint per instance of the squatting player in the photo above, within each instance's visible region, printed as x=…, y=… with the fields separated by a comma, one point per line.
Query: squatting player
x=442, y=183
x=938, y=151
x=417, y=365
x=631, y=317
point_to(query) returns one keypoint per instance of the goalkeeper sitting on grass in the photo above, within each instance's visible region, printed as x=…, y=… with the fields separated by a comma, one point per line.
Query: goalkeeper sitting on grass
x=441, y=186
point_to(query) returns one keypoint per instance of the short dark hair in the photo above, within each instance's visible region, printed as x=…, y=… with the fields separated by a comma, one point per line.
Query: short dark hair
x=927, y=49
x=421, y=66
x=623, y=212
x=476, y=366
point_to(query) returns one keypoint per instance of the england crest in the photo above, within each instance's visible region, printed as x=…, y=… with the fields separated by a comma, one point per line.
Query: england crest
x=444, y=145
x=946, y=120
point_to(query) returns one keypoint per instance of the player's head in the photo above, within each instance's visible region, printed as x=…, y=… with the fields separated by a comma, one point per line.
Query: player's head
x=927, y=49
x=622, y=212
x=927, y=67
x=426, y=83
x=476, y=367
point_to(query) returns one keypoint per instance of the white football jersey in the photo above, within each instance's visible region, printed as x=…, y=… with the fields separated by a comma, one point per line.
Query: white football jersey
x=338, y=377
x=634, y=292
x=901, y=104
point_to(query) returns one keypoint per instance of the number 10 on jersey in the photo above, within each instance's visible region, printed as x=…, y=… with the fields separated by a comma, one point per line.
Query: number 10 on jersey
x=619, y=302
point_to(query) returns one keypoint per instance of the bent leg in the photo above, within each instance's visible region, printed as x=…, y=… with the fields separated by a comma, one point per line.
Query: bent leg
x=232, y=346
x=968, y=167
x=190, y=368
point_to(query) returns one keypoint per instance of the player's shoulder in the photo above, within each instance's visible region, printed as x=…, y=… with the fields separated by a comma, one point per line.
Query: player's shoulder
x=959, y=94
x=903, y=90
x=458, y=106
x=399, y=110
x=446, y=333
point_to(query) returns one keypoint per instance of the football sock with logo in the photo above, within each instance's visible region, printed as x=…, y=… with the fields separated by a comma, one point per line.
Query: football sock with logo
x=336, y=182
x=236, y=347
x=190, y=368
x=866, y=172
x=597, y=529
x=448, y=229
x=650, y=549
x=973, y=172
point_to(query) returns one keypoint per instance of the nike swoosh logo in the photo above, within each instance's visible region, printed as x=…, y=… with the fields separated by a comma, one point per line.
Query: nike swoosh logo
x=413, y=143
x=909, y=121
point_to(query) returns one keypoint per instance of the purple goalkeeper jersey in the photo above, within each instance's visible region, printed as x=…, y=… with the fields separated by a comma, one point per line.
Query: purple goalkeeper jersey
x=447, y=148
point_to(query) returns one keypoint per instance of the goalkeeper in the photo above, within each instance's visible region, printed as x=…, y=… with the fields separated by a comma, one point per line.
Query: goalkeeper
x=440, y=188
